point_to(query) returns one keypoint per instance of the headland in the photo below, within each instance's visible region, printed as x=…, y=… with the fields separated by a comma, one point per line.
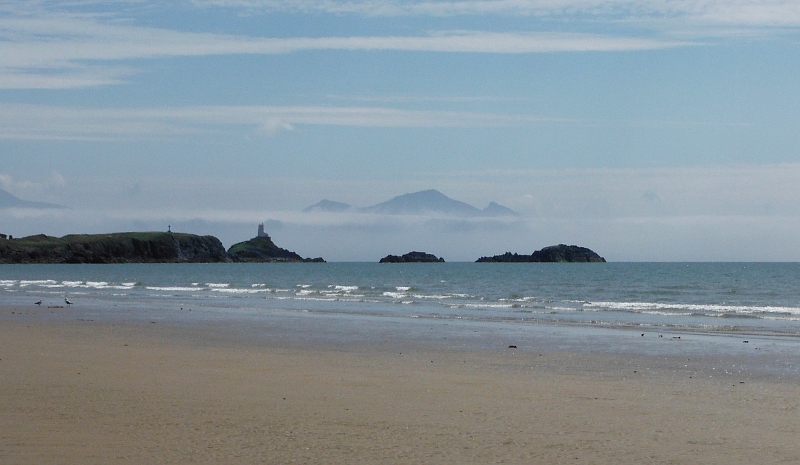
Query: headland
x=128, y=247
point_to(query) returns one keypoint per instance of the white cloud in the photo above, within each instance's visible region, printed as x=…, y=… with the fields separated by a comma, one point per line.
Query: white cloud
x=73, y=77
x=275, y=125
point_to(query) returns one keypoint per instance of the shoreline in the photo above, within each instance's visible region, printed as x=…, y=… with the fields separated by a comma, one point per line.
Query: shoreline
x=753, y=356
x=129, y=391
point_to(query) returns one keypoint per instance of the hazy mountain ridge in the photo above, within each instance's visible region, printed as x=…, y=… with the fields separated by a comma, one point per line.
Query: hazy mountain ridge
x=326, y=205
x=8, y=200
x=495, y=209
x=424, y=202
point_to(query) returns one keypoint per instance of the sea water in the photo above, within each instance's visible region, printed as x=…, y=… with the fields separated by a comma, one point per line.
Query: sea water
x=718, y=298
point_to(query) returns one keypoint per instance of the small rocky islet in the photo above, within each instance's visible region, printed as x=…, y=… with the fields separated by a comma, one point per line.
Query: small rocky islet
x=560, y=253
x=261, y=249
x=412, y=257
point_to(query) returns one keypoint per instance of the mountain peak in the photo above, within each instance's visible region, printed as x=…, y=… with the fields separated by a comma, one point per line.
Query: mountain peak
x=495, y=209
x=423, y=202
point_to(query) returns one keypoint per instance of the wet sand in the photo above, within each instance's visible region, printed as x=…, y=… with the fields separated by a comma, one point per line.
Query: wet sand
x=134, y=392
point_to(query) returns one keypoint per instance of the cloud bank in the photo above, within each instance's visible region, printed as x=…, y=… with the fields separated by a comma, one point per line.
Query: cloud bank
x=685, y=214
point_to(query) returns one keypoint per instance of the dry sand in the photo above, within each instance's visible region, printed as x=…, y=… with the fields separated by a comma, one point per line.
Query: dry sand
x=95, y=392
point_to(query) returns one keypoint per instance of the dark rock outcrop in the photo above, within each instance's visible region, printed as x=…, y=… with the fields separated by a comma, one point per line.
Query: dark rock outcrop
x=263, y=250
x=144, y=247
x=412, y=257
x=554, y=253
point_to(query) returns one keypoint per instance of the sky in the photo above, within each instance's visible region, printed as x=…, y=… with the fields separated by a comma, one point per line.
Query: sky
x=648, y=130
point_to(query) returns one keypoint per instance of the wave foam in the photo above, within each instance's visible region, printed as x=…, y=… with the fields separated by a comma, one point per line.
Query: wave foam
x=678, y=307
x=171, y=288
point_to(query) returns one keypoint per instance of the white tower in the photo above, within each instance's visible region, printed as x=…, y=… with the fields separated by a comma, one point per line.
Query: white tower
x=261, y=232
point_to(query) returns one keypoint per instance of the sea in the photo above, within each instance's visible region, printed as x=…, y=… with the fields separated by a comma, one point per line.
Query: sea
x=700, y=298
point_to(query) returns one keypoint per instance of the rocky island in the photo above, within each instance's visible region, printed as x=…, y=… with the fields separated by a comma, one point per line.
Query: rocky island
x=261, y=249
x=131, y=247
x=551, y=254
x=412, y=257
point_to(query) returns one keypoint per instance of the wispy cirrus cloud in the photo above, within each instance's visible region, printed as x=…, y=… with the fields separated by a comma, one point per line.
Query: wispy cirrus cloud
x=32, y=122
x=67, y=50
x=62, y=45
x=739, y=12
x=49, y=122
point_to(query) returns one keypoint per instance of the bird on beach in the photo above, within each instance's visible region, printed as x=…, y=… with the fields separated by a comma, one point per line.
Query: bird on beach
x=67, y=301
x=39, y=303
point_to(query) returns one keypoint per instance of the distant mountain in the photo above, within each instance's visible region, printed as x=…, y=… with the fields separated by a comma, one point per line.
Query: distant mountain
x=428, y=201
x=326, y=205
x=495, y=209
x=424, y=202
x=7, y=200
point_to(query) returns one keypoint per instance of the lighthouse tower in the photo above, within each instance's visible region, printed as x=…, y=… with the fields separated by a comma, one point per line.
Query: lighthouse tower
x=261, y=232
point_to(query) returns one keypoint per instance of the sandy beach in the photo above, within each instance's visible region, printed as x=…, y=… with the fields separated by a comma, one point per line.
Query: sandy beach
x=136, y=392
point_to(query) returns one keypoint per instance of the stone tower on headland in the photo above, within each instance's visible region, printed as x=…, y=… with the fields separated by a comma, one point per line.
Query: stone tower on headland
x=261, y=232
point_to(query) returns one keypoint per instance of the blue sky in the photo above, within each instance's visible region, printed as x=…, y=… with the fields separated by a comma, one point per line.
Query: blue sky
x=646, y=130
